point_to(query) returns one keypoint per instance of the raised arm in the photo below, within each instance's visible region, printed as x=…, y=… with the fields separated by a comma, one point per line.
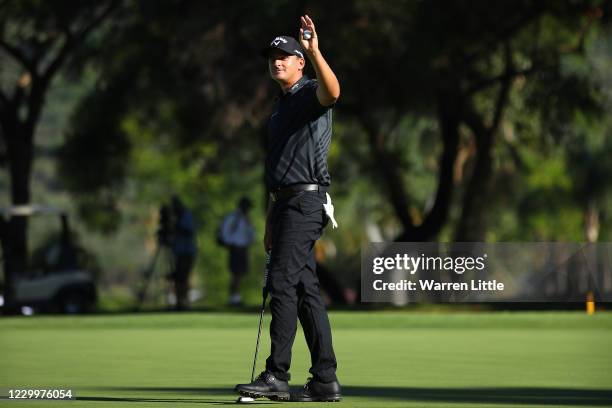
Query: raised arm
x=328, y=91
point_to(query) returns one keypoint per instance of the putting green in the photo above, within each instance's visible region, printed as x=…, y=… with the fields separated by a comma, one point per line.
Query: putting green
x=386, y=359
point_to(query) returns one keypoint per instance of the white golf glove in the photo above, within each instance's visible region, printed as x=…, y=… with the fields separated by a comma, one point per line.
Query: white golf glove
x=329, y=211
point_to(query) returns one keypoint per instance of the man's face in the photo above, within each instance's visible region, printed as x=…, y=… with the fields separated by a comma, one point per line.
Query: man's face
x=284, y=68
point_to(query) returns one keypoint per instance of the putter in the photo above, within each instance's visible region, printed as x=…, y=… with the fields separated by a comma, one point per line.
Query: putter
x=264, y=292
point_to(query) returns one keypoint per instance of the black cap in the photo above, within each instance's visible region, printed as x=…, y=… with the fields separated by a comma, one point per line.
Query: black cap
x=286, y=44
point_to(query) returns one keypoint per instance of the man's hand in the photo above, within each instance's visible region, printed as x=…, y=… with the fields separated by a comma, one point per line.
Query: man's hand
x=328, y=90
x=311, y=46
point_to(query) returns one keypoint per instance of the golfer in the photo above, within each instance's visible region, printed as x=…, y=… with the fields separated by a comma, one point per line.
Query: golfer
x=299, y=134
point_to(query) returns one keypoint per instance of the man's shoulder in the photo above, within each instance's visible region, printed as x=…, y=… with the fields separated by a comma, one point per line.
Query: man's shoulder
x=310, y=83
x=307, y=91
x=303, y=84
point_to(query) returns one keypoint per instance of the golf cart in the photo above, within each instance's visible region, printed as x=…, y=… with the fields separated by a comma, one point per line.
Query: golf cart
x=56, y=284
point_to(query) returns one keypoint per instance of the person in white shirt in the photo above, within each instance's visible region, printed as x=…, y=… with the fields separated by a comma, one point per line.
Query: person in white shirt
x=237, y=233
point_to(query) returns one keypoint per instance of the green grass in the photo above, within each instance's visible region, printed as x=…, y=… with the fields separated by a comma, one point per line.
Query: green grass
x=386, y=359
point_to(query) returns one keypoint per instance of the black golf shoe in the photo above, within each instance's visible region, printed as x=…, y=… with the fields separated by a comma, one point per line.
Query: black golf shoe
x=318, y=391
x=265, y=385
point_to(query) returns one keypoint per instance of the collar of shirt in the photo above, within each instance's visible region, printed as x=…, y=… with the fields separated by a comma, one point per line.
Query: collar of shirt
x=295, y=87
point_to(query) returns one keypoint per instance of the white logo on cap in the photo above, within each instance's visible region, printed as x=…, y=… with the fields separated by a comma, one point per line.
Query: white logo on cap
x=298, y=53
x=278, y=40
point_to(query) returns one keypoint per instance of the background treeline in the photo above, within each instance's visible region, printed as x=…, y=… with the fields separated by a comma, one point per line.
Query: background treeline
x=458, y=121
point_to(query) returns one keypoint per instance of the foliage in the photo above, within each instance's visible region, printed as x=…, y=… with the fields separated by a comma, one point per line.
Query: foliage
x=457, y=120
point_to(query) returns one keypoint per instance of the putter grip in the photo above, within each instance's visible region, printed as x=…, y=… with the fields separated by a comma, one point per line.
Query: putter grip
x=266, y=270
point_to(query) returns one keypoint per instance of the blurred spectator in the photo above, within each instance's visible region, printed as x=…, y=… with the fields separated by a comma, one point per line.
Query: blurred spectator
x=237, y=234
x=183, y=246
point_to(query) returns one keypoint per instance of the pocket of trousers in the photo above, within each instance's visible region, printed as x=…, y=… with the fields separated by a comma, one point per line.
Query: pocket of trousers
x=309, y=203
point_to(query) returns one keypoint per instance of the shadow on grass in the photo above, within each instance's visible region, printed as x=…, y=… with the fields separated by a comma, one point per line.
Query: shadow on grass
x=169, y=400
x=507, y=395
x=209, y=395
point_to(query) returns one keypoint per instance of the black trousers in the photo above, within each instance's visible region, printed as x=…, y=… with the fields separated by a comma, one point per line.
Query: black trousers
x=238, y=260
x=297, y=223
x=182, y=268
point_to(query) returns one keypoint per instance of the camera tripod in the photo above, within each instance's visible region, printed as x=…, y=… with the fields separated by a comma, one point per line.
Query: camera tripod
x=162, y=251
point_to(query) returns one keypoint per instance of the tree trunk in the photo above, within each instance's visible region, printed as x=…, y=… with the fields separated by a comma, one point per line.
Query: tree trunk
x=19, y=148
x=449, y=108
x=471, y=226
x=388, y=171
x=448, y=117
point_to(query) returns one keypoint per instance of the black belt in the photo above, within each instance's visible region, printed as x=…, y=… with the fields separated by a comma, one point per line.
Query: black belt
x=288, y=191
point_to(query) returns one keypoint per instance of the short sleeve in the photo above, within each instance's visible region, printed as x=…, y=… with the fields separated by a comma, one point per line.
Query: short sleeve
x=312, y=102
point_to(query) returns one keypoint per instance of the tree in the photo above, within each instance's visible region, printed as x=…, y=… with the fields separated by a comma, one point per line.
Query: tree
x=184, y=78
x=184, y=75
x=458, y=62
x=38, y=38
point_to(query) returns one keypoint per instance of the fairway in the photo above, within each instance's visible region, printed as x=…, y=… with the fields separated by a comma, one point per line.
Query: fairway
x=386, y=359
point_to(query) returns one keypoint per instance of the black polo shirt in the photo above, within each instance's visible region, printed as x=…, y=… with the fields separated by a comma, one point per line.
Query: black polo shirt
x=299, y=134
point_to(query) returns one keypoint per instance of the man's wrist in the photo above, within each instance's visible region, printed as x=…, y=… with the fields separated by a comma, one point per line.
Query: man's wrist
x=313, y=54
